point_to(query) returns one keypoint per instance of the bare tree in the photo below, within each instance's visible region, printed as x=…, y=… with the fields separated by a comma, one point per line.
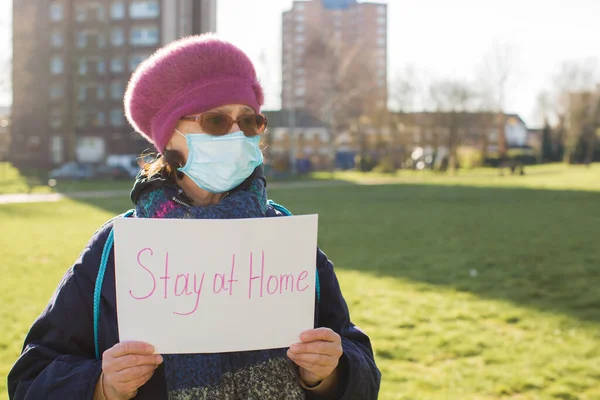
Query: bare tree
x=6, y=59
x=543, y=109
x=495, y=75
x=345, y=88
x=405, y=93
x=452, y=101
x=573, y=103
x=594, y=134
x=405, y=90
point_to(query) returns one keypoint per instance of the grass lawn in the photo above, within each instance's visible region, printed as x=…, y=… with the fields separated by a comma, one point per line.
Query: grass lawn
x=12, y=182
x=549, y=176
x=469, y=288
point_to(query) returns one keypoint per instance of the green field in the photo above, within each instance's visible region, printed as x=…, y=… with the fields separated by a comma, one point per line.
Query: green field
x=471, y=287
x=549, y=176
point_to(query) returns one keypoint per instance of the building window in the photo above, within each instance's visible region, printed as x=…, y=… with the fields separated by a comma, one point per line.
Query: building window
x=100, y=92
x=117, y=64
x=56, y=91
x=381, y=10
x=100, y=14
x=381, y=41
x=300, y=91
x=381, y=73
x=116, y=117
x=101, y=41
x=144, y=35
x=299, y=27
x=144, y=9
x=57, y=149
x=56, y=65
x=136, y=60
x=81, y=39
x=99, y=119
x=381, y=82
x=117, y=37
x=80, y=13
x=56, y=118
x=56, y=11
x=81, y=93
x=80, y=119
x=82, y=66
x=117, y=90
x=299, y=6
x=299, y=38
x=381, y=20
x=381, y=31
x=57, y=39
x=299, y=17
x=101, y=67
x=117, y=10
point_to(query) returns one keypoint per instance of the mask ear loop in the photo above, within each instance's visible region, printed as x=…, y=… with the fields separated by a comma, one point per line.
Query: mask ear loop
x=182, y=135
x=177, y=130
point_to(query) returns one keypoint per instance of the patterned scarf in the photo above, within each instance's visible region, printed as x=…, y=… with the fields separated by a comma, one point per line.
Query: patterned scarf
x=165, y=202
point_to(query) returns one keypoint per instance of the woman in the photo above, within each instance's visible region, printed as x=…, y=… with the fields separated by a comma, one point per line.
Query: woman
x=198, y=101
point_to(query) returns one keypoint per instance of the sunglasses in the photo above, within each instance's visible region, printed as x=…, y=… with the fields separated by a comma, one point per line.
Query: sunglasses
x=218, y=124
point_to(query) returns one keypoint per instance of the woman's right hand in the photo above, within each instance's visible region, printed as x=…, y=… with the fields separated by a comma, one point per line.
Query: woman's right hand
x=126, y=367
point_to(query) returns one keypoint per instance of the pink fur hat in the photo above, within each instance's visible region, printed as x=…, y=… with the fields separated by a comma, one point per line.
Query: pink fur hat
x=188, y=76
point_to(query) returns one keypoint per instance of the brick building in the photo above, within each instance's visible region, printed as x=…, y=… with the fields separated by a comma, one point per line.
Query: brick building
x=72, y=61
x=326, y=40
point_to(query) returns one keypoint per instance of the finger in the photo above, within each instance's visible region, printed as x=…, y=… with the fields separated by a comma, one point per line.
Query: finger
x=320, y=347
x=134, y=373
x=317, y=370
x=316, y=359
x=131, y=394
x=324, y=334
x=124, y=348
x=139, y=382
x=129, y=361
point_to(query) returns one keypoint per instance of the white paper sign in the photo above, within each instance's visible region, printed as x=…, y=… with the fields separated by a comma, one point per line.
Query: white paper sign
x=208, y=286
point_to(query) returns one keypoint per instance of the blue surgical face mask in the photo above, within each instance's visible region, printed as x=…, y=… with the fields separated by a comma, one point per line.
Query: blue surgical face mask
x=220, y=163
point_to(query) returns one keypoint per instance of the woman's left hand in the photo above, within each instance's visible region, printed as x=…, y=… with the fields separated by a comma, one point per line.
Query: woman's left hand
x=317, y=355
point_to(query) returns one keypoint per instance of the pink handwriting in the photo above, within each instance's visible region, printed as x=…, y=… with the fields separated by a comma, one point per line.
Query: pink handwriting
x=150, y=272
x=181, y=279
x=186, y=285
x=197, y=290
x=191, y=284
x=303, y=275
x=275, y=284
x=231, y=280
x=261, y=276
x=166, y=276
x=217, y=288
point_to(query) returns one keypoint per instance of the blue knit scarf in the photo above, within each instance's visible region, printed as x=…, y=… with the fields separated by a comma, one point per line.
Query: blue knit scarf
x=164, y=203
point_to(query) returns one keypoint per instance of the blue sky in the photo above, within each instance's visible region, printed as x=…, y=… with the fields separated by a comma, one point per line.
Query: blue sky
x=438, y=38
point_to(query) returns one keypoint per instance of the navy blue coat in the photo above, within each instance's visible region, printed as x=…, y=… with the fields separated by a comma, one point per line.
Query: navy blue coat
x=58, y=359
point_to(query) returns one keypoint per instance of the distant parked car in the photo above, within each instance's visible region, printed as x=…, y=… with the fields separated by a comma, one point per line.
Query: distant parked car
x=73, y=170
x=126, y=162
x=112, y=172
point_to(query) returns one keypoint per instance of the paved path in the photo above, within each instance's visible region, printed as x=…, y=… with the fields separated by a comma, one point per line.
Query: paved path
x=53, y=197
